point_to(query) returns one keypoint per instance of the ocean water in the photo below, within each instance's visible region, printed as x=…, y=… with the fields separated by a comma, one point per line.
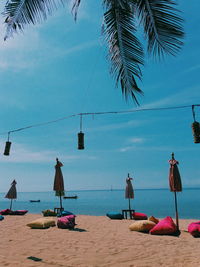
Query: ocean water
x=157, y=202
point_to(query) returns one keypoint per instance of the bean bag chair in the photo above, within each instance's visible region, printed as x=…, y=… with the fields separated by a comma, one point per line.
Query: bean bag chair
x=153, y=219
x=64, y=213
x=48, y=213
x=5, y=212
x=194, y=229
x=1, y=218
x=66, y=222
x=18, y=212
x=42, y=223
x=142, y=226
x=165, y=226
x=115, y=215
x=139, y=216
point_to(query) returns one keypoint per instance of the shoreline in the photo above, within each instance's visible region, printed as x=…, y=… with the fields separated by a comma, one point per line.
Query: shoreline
x=95, y=241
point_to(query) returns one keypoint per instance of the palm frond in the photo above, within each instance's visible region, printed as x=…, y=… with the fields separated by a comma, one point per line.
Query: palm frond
x=18, y=13
x=121, y=3
x=75, y=7
x=125, y=50
x=162, y=26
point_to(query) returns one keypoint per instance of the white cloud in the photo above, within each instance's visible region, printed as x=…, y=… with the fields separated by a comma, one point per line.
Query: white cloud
x=134, y=140
x=58, y=52
x=137, y=140
x=24, y=154
x=183, y=97
x=193, y=68
x=127, y=148
x=16, y=52
x=156, y=148
x=114, y=126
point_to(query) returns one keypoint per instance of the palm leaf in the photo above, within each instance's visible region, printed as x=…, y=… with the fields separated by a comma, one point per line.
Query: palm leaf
x=75, y=8
x=162, y=26
x=125, y=50
x=21, y=12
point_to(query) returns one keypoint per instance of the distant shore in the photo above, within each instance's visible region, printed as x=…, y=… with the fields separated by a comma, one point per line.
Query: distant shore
x=96, y=241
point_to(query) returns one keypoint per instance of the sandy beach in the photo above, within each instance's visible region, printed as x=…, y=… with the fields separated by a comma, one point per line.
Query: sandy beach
x=96, y=241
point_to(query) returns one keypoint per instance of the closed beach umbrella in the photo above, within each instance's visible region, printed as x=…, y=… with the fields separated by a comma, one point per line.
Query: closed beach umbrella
x=12, y=193
x=59, y=182
x=129, y=193
x=175, y=182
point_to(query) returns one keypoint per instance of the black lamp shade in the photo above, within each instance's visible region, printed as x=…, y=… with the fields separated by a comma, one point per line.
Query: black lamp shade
x=7, y=148
x=80, y=140
x=196, y=131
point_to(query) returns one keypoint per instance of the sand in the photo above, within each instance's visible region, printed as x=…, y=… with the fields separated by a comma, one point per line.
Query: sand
x=96, y=241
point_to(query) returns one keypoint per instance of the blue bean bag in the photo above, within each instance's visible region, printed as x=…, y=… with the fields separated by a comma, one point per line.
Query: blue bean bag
x=1, y=218
x=64, y=213
x=115, y=215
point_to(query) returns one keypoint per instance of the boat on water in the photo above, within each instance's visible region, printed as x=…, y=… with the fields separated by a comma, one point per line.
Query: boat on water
x=37, y=200
x=73, y=197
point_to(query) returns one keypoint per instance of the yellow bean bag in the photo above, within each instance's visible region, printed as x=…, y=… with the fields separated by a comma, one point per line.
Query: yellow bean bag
x=142, y=226
x=153, y=219
x=42, y=223
x=48, y=213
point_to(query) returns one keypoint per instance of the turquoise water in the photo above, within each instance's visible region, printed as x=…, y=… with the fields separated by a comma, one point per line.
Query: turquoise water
x=157, y=202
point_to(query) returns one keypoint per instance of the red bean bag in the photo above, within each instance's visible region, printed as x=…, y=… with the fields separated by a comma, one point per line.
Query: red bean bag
x=18, y=212
x=165, y=226
x=194, y=229
x=139, y=216
x=66, y=222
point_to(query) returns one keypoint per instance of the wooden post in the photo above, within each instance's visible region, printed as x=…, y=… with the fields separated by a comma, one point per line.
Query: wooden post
x=176, y=209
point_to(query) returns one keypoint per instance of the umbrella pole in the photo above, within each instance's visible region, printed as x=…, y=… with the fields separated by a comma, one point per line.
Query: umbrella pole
x=129, y=203
x=177, y=223
x=11, y=204
x=60, y=201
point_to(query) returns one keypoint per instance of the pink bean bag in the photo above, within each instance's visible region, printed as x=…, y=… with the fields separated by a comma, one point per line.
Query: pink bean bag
x=5, y=212
x=66, y=222
x=194, y=229
x=165, y=226
x=139, y=216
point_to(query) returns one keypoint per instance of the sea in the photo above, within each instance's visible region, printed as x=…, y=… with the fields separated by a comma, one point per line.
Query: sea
x=157, y=202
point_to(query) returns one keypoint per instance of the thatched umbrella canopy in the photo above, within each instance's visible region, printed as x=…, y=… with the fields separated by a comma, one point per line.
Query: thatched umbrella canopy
x=175, y=182
x=129, y=193
x=12, y=193
x=59, y=181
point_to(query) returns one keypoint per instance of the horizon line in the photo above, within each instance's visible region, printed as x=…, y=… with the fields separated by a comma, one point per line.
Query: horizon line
x=106, y=189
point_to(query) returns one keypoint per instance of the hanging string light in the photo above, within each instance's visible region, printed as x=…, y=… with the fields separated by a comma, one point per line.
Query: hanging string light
x=195, y=125
x=195, y=128
x=81, y=136
x=7, y=146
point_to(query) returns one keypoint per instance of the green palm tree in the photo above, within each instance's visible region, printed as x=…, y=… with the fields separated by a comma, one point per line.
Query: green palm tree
x=162, y=24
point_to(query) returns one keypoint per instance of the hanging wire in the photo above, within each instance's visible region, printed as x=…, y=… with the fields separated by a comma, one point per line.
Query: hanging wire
x=81, y=122
x=193, y=112
x=8, y=136
x=97, y=113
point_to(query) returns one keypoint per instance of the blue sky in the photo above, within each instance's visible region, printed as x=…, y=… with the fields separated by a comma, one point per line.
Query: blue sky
x=59, y=68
